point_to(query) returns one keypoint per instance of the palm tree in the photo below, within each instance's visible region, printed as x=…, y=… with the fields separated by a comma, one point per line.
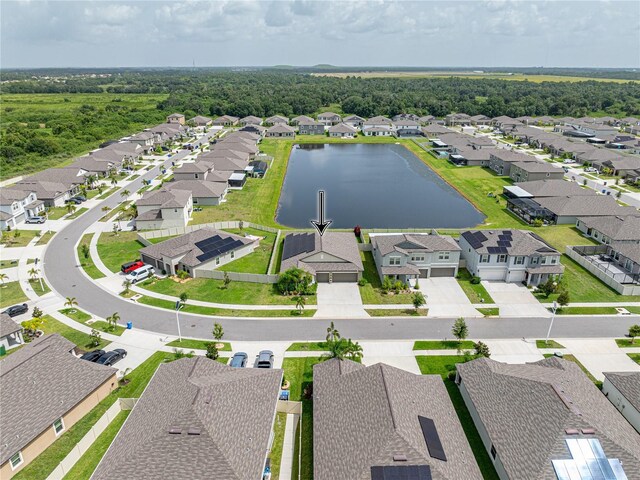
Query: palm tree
x=3, y=277
x=114, y=182
x=127, y=286
x=33, y=273
x=105, y=209
x=125, y=193
x=71, y=302
x=71, y=208
x=300, y=303
x=113, y=320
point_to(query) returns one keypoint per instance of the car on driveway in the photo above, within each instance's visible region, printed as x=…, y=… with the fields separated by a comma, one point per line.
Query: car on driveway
x=16, y=310
x=82, y=198
x=36, y=219
x=239, y=360
x=73, y=200
x=112, y=357
x=131, y=266
x=140, y=274
x=265, y=359
x=92, y=356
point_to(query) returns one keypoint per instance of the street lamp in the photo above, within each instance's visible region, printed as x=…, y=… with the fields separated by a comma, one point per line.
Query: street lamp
x=553, y=316
x=178, y=307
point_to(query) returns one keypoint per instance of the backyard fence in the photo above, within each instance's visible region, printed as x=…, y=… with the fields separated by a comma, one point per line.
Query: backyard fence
x=167, y=232
x=236, y=277
x=587, y=256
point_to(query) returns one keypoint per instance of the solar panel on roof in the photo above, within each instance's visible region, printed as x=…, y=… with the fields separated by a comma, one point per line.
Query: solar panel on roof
x=216, y=246
x=296, y=244
x=493, y=249
x=401, y=472
x=431, y=437
x=588, y=462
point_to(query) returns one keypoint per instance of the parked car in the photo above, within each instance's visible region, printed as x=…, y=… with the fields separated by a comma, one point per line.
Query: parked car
x=112, y=357
x=567, y=161
x=140, y=273
x=73, y=200
x=265, y=359
x=92, y=356
x=16, y=310
x=36, y=219
x=239, y=360
x=590, y=170
x=82, y=198
x=131, y=266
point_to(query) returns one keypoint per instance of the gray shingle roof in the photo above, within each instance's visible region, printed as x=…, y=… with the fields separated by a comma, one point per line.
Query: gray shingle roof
x=281, y=128
x=165, y=198
x=342, y=128
x=341, y=245
x=198, y=188
x=8, y=325
x=34, y=375
x=628, y=384
x=526, y=409
x=537, y=167
x=555, y=188
x=363, y=416
x=10, y=195
x=629, y=250
x=413, y=242
x=591, y=206
x=616, y=228
x=523, y=242
x=232, y=408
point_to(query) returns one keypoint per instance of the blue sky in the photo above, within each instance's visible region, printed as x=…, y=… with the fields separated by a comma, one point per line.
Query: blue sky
x=302, y=32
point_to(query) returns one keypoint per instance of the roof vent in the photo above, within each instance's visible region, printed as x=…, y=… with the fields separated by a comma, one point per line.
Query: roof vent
x=571, y=431
x=193, y=431
x=175, y=430
x=399, y=458
x=588, y=431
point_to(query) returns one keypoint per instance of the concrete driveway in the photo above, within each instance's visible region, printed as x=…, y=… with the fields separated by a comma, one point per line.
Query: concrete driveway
x=339, y=300
x=394, y=353
x=514, y=351
x=445, y=298
x=515, y=300
x=600, y=355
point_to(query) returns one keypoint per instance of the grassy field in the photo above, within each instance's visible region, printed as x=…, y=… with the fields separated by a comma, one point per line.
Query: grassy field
x=635, y=357
x=307, y=347
x=11, y=294
x=87, y=263
x=81, y=339
x=82, y=317
x=475, y=292
x=489, y=312
x=443, y=345
x=8, y=263
x=626, y=342
x=9, y=239
x=77, y=213
x=114, y=250
x=256, y=262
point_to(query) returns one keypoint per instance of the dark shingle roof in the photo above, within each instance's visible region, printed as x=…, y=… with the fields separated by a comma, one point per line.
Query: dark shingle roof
x=42, y=371
x=628, y=384
x=555, y=188
x=232, y=410
x=413, y=242
x=341, y=249
x=522, y=242
x=363, y=416
x=8, y=325
x=616, y=228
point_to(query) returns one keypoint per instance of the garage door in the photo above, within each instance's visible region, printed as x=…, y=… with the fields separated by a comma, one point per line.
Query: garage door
x=424, y=273
x=443, y=272
x=322, y=277
x=343, y=277
x=491, y=274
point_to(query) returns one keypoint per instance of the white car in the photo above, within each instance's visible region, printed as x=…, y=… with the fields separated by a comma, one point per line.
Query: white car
x=140, y=274
x=567, y=161
x=590, y=170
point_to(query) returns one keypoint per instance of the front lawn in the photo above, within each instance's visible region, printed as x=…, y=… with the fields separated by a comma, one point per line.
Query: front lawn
x=635, y=357
x=475, y=292
x=489, y=312
x=81, y=339
x=8, y=263
x=39, y=289
x=551, y=344
x=114, y=250
x=307, y=347
x=626, y=342
x=11, y=294
x=56, y=213
x=256, y=262
x=371, y=292
x=443, y=345
x=77, y=213
x=87, y=263
x=10, y=240
x=192, y=344
x=402, y=312
x=82, y=317
x=586, y=311
x=44, y=238
x=209, y=290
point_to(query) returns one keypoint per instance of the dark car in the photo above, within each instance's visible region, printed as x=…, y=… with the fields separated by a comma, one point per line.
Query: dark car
x=265, y=359
x=17, y=310
x=112, y=357
x=36, y=219
x=239, y=360
x=73, y=200
x=92, y=356
x=82, y=198
x=131, y=266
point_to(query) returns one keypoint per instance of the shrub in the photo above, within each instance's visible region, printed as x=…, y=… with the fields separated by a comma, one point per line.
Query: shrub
x=295, y=280
x=362, y=282
x=537, y=222
x=212, y=351
x=475, y=280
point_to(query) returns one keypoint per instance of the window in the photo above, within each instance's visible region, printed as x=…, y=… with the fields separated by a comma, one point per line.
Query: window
x=16, y=460
x=217, y=260
x=534, y=260
x=553, y=260
x=58, y=426
x=233, y=254
x=195, y=200
x=394, y=260
x=485, y=258
x=493, y=452
x=502, y=258
x=417, y=258
x=443, y=256
x=519, y=261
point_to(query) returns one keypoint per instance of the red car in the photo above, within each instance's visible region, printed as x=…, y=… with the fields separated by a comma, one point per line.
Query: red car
x=131, y=266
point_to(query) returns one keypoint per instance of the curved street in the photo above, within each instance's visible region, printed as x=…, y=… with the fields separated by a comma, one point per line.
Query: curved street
x=65, y=276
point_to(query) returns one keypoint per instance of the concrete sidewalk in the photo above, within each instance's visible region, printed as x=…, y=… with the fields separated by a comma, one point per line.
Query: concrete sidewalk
x=601, y=355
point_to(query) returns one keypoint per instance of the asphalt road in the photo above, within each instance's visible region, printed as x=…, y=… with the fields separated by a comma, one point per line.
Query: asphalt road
x=65, y=276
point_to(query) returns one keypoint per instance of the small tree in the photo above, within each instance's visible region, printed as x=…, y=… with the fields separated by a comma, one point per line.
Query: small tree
x=300, y=303
x=548, y=287
x=482, y=349
x=95, y=338
x=106, y=209
x=71, y=302
x=113, y=321
x=184, y=296
x=71, y=208
x=563, y=298
x=460, y=329
x=418, y=300
x=226, y=280
x=332, y=333
x=33, y=273
x=387, y=284
x=212, y=351
x=634, y=331
x=85, y=251
x=126, y=285
x=37, y=313
x=115, y=229
x=125, y=193
x=3, y=278
x=218, y=331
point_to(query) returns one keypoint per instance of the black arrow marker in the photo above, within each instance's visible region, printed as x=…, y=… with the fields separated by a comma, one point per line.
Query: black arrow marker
x=321, y=225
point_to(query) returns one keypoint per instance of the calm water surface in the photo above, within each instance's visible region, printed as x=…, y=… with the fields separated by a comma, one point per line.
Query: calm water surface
x=371, y=185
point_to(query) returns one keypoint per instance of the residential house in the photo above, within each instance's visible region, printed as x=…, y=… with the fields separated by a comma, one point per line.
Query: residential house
x=547, y=188
x=435, y=131
x=611, y=229
x=407, y=256
x=198, y=252
x=504, y=122
x=310, y=127
x=176, y=118
x=457, y=119
x=470, y=156
x=197, y=419
x=509, y=256
x=276, y=120
x=145, y=139
x=332, y=257
x=377, y=131
x=226, y=121
x=544, y=120
x=296, y=121
x=94, y=166
x=543, y=420
x=567, y=210
x=378, y=122
x=10, y=333
x=354, y=120
x=401, y=425
x=254, y=129
x=525, y=119
x=427, y=120
x=200, y=121
x=202, y=192
x=623, y=391
x=329, y=118
x=479, y=120
x=168, y=132
x=45, y=389
x=534, y=170
x=158, y=209
x=193, y=171
x=405, y=116
x=281, y=130
x=405, y=128
x=16, y=205
x=500, y=160
x=342, y=130
x=250, y=120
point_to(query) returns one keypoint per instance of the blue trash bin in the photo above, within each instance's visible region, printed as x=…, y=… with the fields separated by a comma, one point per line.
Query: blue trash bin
x=129, y=325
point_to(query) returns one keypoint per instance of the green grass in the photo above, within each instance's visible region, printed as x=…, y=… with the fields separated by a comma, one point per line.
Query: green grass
x=443, y=345
x=551, y=344
x=371, y=293
x=299, y=373
x=24, y=237
x=307, y=347
x=443, y=366
x=278, y=440
x=197, y=344
x=113, y=212
x=8, y=263
x=11, y=294
x=106, y=193
x=87, y=263
x=44, y=464
x=209, y=290
x=586, y=311
x=86, y=465
x=40, y=290
x=489, y=312
x=56, y=213
x=626, y=342
x=114, y=250
x=77, y=213
x=223, y=312
x=82, y=317
x=256, y=262
x=45, y=237
x=403, y=312
x=475, y=292
x=81, y=339
x=635, y=357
